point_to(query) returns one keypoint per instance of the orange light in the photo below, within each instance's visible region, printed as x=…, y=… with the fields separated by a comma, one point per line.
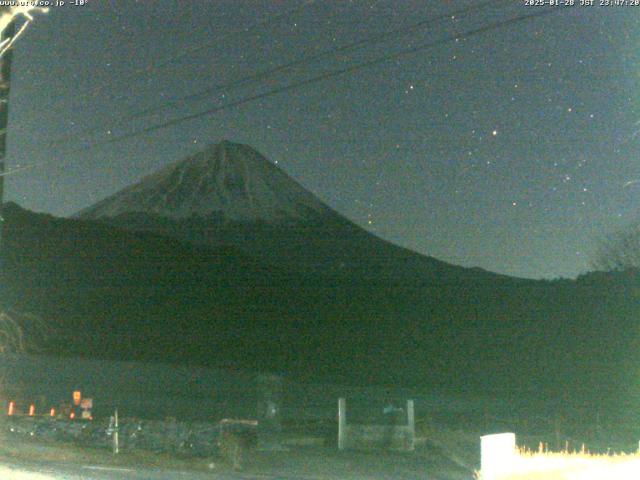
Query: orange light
x=76, y=398
x=32, y=410
x=12, y=407
x=72, y=415
x=52, y=412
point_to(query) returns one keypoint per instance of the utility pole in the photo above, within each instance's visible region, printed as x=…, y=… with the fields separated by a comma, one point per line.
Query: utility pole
x=5, y=83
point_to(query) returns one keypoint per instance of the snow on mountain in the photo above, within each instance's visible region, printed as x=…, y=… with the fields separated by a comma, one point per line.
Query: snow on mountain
x=230, y=195
x=227, y=181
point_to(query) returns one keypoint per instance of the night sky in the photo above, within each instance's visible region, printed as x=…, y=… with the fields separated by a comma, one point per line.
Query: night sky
x=514, y=150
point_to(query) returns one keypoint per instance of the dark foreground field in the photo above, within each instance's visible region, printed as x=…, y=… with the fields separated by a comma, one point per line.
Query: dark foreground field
x=21, y=459
x=443, y=452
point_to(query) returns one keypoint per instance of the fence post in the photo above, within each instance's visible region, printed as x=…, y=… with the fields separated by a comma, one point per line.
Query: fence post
x=342, y=422
x=116, y=440
x=411, y=422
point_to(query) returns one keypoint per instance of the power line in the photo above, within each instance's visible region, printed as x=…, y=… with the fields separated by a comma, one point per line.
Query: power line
x=133, y=74
x=302, y=83
x=198, y=48
x=263, y=74
x=321, y=77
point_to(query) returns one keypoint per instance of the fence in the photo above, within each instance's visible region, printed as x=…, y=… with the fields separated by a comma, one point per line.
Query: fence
x=152, y=435
x=196, y=394
x=396, y=431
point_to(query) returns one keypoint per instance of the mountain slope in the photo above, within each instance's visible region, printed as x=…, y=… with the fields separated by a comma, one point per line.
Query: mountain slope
x=108, y=292
x=229, y=194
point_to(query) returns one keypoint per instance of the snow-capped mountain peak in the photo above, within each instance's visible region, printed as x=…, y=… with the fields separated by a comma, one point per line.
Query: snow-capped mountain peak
x=227, y=181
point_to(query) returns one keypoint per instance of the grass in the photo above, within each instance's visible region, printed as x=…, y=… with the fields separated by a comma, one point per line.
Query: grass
x=462, y=446
x=528, y=465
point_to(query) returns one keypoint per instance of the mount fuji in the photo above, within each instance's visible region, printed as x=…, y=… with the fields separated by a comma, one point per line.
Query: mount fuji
x=231, y=195
x=227, y=182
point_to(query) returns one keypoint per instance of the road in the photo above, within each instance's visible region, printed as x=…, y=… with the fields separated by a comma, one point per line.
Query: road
x=61, y=471
x=309, y=464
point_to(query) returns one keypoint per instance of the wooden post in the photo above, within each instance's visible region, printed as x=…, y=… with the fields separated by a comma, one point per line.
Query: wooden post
x=342, y=422
x=411, y=422
x=116, y=439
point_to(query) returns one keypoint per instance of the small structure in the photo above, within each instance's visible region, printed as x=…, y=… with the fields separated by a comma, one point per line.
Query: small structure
x=501, y=459
x=398, y=432
x=80, y=407
x=497, y=454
